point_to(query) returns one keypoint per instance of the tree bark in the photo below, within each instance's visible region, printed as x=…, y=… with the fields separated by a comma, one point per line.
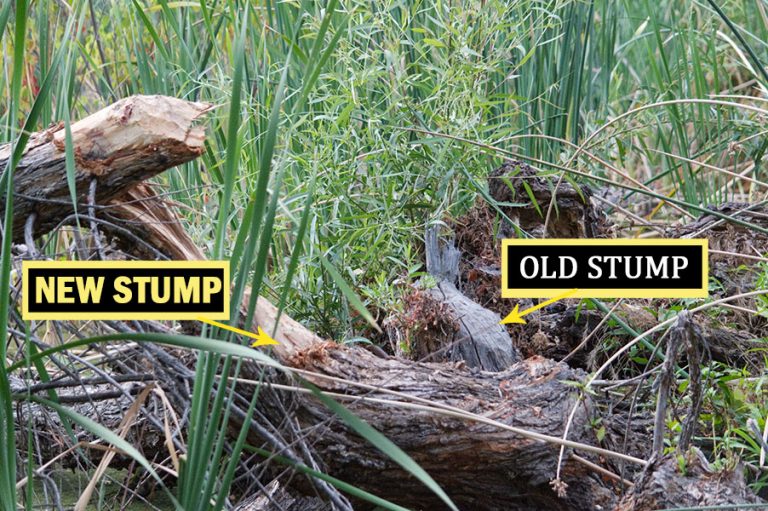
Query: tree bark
x=688, y=482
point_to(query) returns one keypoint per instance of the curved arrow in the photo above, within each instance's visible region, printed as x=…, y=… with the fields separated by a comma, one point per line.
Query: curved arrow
x=262, y=338
x=517, y=317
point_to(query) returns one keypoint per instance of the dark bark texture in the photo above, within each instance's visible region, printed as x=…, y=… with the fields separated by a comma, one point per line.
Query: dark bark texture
x=669, y=483
x=479, y=466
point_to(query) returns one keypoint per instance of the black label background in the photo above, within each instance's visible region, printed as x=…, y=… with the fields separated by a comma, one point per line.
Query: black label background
x=108, y=304
x=690, y=277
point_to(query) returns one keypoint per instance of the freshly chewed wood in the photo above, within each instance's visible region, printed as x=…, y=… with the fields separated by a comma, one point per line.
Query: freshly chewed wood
x=119, y=146
x=479, y=466
x=153, y=221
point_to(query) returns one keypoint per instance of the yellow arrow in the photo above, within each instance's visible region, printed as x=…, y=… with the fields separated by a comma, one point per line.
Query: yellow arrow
x=262, y=338
x=517, y=317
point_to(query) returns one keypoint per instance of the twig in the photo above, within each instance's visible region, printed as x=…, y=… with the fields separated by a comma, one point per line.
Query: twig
x=121, y=230
x=29, y=240
x=666, y=379
x=694, y=346
x=57, y=384
x=91, y=397
x=601, y=470
x=91, y=213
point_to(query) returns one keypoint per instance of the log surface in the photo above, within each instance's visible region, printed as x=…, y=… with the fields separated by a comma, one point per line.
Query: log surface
x=480, y=341
x=478, y=465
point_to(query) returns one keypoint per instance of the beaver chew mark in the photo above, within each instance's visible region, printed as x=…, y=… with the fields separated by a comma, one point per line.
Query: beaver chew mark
x=124, y=144
x=127, y=111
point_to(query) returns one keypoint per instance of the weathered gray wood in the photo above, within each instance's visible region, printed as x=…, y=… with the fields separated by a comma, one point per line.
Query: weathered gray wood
x=119, y=146
x=442, y=256
x=273, y=497
x=481, y=341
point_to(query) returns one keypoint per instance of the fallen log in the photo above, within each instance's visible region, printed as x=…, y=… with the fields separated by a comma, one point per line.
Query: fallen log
x=536, y=394
x=480, y=466
x=491, y=439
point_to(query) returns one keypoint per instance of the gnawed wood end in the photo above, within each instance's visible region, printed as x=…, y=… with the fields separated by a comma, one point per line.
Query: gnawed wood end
x=121, y=145
x=292, y=335
x=137, y=123
x=154, y=220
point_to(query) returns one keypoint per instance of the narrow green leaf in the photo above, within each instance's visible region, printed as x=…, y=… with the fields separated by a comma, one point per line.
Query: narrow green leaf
x=338, y=483
x=382, y=443
x=108, y=436
x=347, y=291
